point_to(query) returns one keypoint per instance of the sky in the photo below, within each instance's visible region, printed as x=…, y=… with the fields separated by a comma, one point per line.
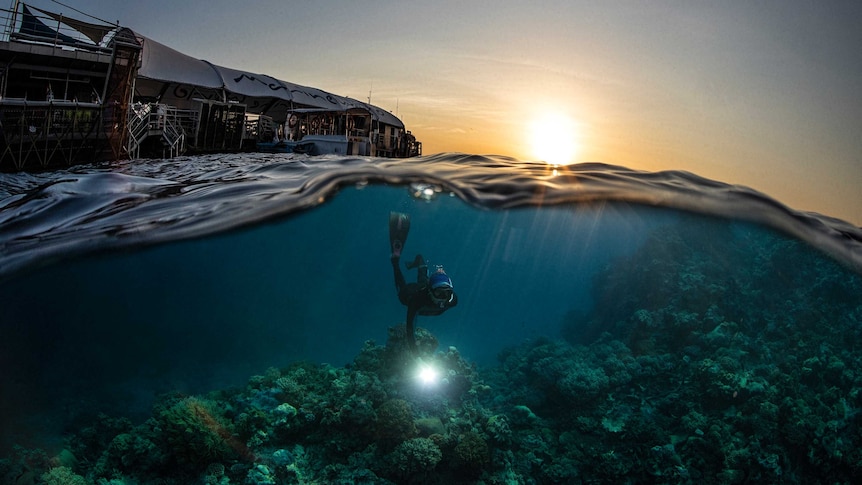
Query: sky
x=765, y=94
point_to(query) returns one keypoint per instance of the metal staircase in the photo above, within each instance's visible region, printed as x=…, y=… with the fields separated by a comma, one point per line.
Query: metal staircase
x=166, y=123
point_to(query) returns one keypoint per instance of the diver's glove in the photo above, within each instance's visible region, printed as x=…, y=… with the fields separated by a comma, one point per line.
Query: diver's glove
x=417, y=262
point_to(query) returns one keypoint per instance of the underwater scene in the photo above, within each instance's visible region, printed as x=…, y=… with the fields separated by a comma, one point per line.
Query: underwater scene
x=452, y=319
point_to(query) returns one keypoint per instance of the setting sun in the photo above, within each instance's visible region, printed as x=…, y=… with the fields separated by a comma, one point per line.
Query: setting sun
x=554, y=139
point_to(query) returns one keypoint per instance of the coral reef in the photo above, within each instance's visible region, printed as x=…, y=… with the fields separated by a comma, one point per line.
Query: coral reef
x=197, y=432
x=62, y=475
x=715, y=354
x=415, y=459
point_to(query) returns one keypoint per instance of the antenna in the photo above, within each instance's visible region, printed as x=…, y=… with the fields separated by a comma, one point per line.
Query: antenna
x=369, y=91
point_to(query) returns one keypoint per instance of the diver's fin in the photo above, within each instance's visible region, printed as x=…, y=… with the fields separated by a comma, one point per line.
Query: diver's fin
x=399, y=226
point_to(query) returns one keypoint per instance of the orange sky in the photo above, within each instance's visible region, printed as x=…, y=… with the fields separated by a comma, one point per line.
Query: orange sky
x=763, y=94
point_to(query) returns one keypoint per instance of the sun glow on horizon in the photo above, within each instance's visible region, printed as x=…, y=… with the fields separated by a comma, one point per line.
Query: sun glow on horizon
x=554, y=139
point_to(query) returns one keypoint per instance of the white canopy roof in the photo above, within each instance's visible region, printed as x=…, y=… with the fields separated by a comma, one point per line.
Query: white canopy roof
x=259, y=92
x=161, y=63
x=248, y=84
x=314, y=97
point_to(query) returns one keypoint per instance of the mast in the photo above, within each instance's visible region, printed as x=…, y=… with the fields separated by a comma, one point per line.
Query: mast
x=14, y=15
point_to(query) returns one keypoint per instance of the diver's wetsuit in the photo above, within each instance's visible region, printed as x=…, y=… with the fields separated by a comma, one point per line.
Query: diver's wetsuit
x=417, y=298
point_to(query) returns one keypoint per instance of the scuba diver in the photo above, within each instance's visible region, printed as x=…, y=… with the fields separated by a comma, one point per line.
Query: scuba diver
x=431, y=294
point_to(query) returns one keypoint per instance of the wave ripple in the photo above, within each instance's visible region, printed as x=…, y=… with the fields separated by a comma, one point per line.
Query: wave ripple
x=48, y=216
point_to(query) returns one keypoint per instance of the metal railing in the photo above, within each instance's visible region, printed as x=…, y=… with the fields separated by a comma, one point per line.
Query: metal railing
x=259, y=128
x=48, y=132
x=167, y=123
x=28, y=24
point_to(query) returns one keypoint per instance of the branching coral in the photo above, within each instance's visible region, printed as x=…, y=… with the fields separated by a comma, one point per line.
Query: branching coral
x=395, y=421
x=471, y=453
x=415, y=458
x=198, y=432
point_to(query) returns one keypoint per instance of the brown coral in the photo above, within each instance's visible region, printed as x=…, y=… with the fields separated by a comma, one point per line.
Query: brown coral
x=395, y=421
x=471, y=452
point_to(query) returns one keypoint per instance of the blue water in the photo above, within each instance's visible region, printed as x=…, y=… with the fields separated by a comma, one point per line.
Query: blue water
x=120, y=283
